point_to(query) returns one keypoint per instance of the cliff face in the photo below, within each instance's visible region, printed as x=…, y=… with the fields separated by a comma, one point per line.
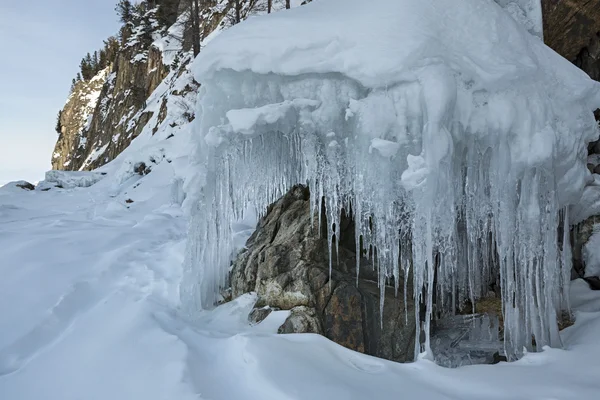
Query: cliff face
x=103, y=115
x=75, y=120
x=572, y=29
x=120, y=114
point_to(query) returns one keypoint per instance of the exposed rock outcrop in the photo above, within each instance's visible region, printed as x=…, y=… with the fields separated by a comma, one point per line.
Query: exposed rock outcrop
x=571, y=28
x=75, y=120
x=104, y=115
x=287, y=263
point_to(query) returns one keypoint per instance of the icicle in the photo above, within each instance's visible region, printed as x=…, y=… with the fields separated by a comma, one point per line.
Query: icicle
x=431, y=196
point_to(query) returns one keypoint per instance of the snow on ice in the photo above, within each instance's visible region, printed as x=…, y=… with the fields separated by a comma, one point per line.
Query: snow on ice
x=480, y=132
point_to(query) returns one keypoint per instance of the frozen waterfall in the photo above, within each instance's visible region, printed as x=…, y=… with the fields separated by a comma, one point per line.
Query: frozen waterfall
x=458, y=151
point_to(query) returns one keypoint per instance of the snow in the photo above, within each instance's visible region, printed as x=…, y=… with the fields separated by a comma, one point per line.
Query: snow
x=499, y=54
x=96, y=153
x=527, y=12
x=72, y=179
x=90, y=309
x=465, y=145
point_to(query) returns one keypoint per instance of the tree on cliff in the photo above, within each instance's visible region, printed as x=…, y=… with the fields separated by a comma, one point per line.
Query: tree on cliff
x=58, y=126
x=194, y=22
x=166, y=14
x=125, y=11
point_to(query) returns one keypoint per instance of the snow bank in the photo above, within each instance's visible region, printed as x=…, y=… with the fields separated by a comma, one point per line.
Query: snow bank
x=456, y=132
x=73, y=179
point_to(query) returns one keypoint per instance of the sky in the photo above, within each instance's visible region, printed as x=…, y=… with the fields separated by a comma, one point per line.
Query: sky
x=41, y=45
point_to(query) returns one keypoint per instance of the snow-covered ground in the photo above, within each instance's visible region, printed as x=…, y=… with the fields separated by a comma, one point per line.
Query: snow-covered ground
x=89, y=309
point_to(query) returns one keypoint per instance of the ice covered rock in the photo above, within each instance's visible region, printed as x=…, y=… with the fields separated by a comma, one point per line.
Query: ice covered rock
x=485, y=132
x=22, y=185
x=287, y=263
x=73, y=179
x=25, y=185
x=462, y=340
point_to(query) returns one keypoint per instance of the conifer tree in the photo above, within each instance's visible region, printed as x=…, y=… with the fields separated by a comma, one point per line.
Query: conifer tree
x=125, y=11
x=58, y=126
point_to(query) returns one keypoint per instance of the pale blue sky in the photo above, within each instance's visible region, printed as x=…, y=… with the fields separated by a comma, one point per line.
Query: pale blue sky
x=41, y=45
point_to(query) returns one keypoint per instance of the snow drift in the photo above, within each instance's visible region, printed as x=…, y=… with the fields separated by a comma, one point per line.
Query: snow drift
x=456, y=137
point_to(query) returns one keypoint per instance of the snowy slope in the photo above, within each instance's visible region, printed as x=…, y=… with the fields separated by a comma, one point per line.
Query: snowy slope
x=90, y=310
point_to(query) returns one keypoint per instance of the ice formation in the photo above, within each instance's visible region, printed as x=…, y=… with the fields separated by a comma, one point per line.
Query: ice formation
x=456, y=138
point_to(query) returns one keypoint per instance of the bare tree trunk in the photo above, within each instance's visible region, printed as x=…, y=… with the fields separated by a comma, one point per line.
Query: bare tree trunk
x=195, y=16
x=238, y=12
x=287, y=4
x=269, y=6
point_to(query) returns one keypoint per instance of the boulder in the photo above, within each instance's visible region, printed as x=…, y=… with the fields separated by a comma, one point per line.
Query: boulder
x=25, y=185
x=286, y=262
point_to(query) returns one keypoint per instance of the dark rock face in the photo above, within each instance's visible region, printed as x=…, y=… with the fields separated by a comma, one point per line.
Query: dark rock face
x=102, y=116
x=286, y=262
x=571, y=28
x=108, y=124
x=25, y=185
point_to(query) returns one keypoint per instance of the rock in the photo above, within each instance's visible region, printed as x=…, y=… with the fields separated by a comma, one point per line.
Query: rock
x=258, y=315
x=580, y=235
x=462, y=340
x=286, y=262
x=25, y=185
x=140, y=168
x=597, y=169
x=591, y=168
x=594, y=147
x=570, y=25
x=302, y=319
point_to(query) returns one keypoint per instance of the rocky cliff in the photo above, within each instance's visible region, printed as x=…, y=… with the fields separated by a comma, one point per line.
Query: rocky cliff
x=572, y=28
x=105, y=113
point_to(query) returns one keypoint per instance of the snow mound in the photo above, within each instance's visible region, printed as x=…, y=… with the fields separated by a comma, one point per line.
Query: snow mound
x=73, y=179
x=480, y=133
x=16, y=186
x=409, y=34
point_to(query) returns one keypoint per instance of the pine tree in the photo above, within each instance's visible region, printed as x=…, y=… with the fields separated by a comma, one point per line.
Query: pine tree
x=166, y=15
x=125, y=11
x=175, y=63
x=84, y=68
x=58, y=126
x=111, y=47
x=238, y=11
x=195, y=24
x=95, y=63
x=102, y=63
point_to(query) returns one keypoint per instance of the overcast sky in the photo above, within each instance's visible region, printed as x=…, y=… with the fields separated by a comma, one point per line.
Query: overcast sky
x=41, y=45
